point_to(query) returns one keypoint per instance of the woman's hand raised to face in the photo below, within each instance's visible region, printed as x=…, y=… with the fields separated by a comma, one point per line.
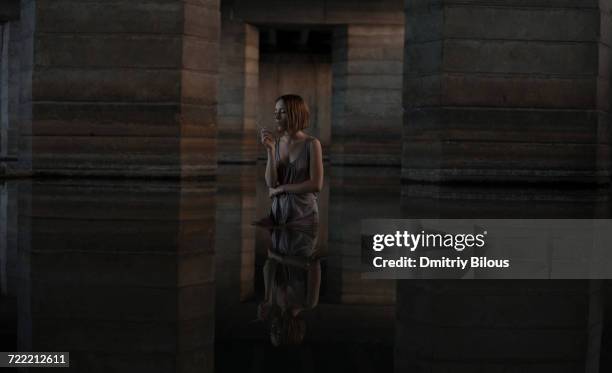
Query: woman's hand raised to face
x=275, y=191
x=267, y=139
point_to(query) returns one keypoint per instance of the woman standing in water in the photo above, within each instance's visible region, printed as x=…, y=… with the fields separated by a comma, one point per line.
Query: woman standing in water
x=294, y=171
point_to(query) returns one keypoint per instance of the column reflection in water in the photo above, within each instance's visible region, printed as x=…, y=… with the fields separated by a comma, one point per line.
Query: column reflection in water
x=495, y=325
x=119, y=274
x=8, y=265
x=235, y=243
x=3, y=240
x=358, y=193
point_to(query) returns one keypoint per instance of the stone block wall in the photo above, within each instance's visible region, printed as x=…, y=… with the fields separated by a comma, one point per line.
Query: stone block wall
x=10, y=78
x=14, y=84
x=27, y=25
x=330, y=12
x=604, y=87
x=122, y=89
x=505, y=93
x=238, y=89
x=4, y=39
x=367, y=91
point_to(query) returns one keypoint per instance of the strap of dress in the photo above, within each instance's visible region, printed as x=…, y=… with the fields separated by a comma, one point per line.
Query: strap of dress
x=277, y=155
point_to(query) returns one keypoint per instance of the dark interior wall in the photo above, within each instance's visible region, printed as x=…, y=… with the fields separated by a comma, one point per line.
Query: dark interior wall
x=3, y=88
x=367, y=95
x=604, y=87
x=9, y=10
x=12, y=85
x=320, y=11
x=238, y=82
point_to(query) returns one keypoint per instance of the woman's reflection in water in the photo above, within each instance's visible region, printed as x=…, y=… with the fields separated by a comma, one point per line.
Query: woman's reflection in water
x=292, y=277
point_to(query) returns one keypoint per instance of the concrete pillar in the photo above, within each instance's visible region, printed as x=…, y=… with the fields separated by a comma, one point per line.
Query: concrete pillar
x=132, y=264
x=238, y=89
x=10, y=77
x=128, y=89
x=505, y=93
x=14, y=86
x=604, y=88
x=27, y=22
x=367, y=90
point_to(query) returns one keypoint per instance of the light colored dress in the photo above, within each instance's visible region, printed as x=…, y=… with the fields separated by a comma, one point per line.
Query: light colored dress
x=290, y=208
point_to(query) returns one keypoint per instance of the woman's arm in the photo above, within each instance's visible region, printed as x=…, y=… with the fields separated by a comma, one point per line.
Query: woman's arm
x=270, y=144
x=315, y=183
x=271, y=176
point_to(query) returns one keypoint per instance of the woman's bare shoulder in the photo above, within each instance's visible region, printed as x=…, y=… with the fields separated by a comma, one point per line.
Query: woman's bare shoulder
x=313, y=140
x=314, y=144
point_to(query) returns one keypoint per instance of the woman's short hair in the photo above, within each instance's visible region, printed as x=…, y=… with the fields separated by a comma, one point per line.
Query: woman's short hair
x=298, y=115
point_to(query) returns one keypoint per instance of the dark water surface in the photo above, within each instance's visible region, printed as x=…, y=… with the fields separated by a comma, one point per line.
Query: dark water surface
x=167, y=277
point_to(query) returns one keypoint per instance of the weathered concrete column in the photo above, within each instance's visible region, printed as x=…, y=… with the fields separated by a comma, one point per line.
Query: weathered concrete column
x=505, y=93
x=10, y=77
x=367, y=91
x=604, y=89
x=13, y=39
x=238, y=88
x=123, y=89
